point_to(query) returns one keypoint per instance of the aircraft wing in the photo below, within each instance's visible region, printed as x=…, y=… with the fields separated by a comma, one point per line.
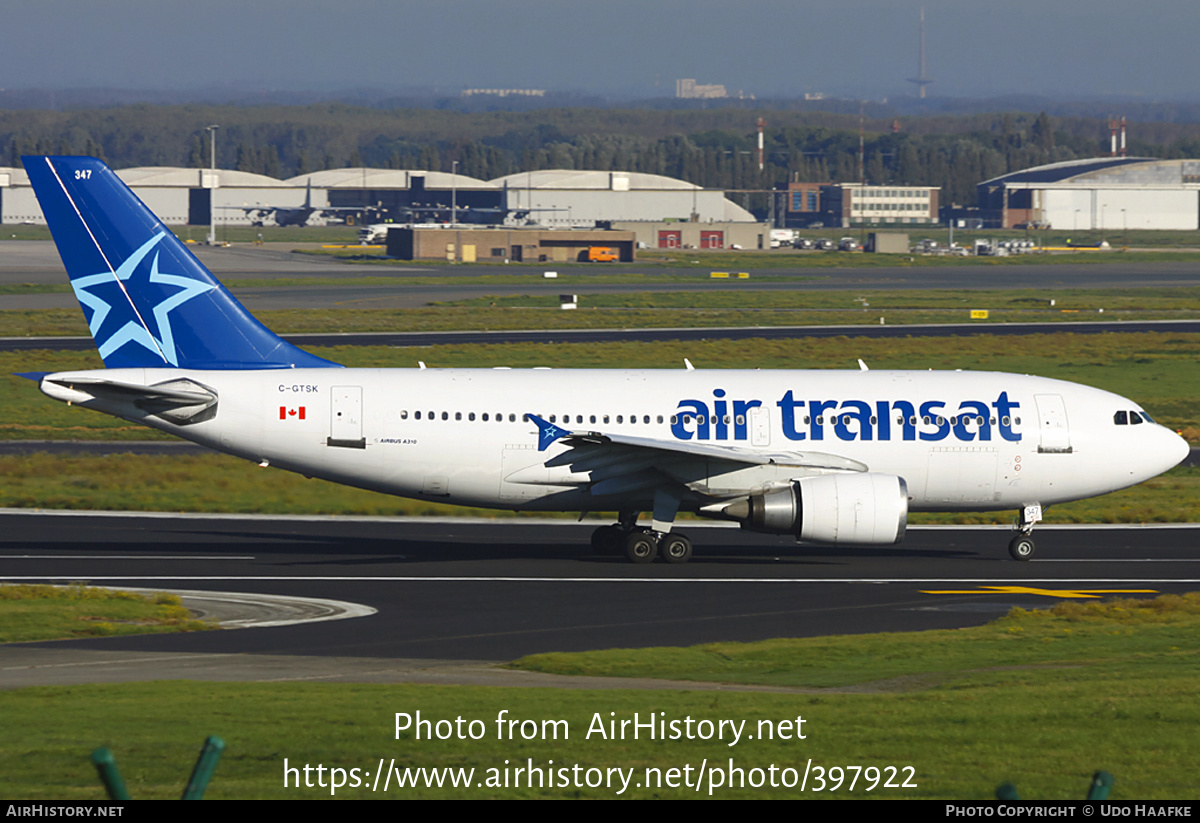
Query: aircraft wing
x=617, y=462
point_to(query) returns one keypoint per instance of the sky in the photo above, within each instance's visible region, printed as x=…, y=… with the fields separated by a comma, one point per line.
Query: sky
x=1076, y=49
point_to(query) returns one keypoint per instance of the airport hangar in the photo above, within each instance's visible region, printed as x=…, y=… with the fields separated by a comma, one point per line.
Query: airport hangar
x=182, y=196
x=1105, y=193
x=661, y=211
x=178, y=196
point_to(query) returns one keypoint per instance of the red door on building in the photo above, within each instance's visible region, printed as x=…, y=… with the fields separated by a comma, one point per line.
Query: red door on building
x=671, y=239
x=710, y=239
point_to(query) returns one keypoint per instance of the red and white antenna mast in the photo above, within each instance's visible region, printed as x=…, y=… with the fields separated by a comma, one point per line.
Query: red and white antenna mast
x=761, y=123
x=1116, y=148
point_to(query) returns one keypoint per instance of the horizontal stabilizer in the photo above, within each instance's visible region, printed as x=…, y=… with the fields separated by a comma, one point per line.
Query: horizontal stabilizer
x=179, y=401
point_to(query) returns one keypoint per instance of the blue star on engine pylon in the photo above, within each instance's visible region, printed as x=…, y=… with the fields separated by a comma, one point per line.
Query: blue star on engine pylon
x=136, y=328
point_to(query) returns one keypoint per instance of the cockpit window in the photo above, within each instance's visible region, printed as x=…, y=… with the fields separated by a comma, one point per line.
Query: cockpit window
x=1131, y=418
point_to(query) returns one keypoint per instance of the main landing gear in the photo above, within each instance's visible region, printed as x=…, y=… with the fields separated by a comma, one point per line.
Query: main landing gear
x=1022, y=547
x=639, y=544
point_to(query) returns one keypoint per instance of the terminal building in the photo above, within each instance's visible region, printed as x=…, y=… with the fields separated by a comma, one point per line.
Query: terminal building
x=841, y=205
x=1107, y=193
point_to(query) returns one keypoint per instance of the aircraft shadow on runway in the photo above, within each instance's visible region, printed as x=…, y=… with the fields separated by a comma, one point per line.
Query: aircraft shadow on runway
x=354, y=548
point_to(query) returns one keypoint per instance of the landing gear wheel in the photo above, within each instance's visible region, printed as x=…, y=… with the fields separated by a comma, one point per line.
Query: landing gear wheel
x=641, y=547
x=675, y=548
x=608, y=541
x=1022, y=547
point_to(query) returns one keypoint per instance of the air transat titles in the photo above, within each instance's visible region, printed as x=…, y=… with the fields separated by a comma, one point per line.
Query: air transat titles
x=808, y=419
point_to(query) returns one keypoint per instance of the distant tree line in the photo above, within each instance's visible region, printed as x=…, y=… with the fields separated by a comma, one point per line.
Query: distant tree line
x=714, y=149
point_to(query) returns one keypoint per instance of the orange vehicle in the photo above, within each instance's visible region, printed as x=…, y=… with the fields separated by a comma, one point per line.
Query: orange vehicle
x=602, y=254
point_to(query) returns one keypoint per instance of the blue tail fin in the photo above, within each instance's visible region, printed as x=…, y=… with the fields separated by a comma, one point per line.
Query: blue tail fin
x=148, y=301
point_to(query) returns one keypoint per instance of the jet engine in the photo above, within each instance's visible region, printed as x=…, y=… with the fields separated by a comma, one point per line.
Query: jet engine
x=833, y=508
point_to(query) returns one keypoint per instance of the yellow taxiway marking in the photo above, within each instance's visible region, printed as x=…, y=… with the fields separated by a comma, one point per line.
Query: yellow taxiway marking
x=1079, y=593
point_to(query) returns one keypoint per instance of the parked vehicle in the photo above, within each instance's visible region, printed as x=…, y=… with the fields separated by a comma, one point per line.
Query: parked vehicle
x=782, y=237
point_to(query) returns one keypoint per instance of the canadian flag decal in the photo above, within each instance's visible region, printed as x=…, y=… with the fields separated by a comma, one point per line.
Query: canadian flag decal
x=294, y=414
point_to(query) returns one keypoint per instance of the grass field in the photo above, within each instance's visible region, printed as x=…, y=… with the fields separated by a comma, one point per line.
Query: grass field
x=1039, y=699
x=705, y=304
x=59, y=612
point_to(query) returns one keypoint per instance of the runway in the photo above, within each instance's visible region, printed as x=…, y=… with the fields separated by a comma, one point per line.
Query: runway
x=483, y=590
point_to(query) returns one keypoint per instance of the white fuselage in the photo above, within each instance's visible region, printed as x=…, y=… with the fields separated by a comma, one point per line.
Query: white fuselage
x=960, y=440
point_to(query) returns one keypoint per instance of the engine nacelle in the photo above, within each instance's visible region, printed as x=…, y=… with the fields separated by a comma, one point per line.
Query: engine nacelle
x=832, y=508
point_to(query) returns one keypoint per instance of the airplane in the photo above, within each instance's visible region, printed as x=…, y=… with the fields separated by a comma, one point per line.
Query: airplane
x=292, y=215
x=828, y=457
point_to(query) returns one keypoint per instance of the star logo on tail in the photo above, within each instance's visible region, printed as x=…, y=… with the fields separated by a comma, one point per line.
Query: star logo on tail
x=110, y=296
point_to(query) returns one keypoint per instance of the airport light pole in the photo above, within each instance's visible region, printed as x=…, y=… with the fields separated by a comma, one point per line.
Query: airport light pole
x=212, y=209
x=453, y=193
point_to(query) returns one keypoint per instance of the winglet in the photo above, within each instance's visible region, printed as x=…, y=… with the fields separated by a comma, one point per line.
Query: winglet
x=547, y=432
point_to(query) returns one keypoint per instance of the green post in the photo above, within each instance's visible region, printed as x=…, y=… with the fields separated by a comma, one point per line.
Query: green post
x=106, y=767
x=206, y=764
x=1007, y=791
x=1100, y=787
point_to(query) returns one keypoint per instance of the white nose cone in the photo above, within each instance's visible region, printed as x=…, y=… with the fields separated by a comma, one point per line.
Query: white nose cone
x=1174, y=449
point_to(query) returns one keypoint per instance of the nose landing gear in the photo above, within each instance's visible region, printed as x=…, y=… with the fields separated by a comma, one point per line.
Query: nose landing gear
x=1022, y=547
